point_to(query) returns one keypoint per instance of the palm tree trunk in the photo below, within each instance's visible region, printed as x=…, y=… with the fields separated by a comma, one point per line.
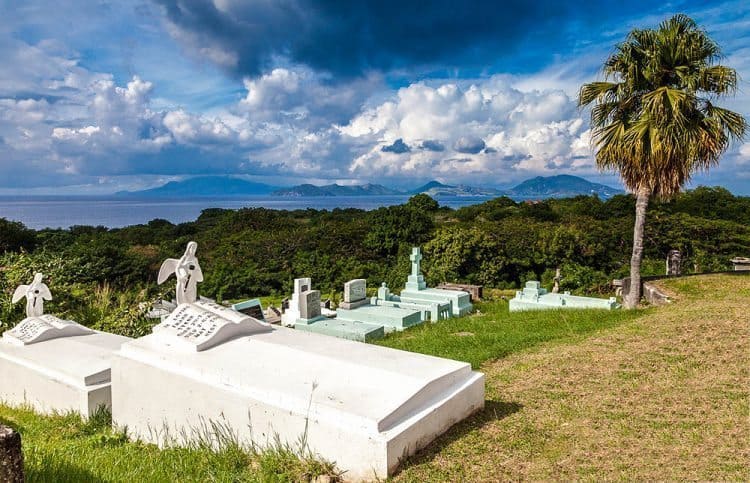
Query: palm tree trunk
x=634, y=295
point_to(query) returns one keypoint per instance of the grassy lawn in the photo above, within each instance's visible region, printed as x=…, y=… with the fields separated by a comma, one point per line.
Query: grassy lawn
x=656, y=394
x=64, y=448
x=493, y=332
x=661, y=397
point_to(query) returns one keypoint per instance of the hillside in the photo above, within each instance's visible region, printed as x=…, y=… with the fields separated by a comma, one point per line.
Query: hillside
x=657, y=394
x=336, y=190
x=203, y=186
x=661, y=397
x=560, y=186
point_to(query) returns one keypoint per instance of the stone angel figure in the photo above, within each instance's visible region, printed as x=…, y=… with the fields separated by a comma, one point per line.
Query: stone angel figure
x=36, y=293
x=188, y=274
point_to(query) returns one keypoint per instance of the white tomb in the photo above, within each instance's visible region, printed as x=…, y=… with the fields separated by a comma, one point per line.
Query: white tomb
x=364, y=407
x=53, y=364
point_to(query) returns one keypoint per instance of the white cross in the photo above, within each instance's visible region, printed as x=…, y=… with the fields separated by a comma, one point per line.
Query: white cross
x=415, y=258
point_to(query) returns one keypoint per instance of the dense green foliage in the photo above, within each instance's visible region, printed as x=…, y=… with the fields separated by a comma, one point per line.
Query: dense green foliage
x=100, y=276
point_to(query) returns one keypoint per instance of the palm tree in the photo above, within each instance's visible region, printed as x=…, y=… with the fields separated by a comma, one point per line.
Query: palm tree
x=654, y=120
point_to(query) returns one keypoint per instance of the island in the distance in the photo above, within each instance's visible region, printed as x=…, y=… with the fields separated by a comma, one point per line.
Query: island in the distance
x=558, y=186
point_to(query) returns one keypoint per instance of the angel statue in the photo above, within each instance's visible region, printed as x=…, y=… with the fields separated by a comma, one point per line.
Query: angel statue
x=36, y=293
x=188, y=274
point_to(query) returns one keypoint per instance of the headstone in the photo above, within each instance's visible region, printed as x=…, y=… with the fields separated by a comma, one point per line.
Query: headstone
x=273, y=315
x=556, y=281
x=383, y=292
x=325, y=304
x=674, y=263
x=53, y=364
x=293, y=313
x=355, y=294
x=310, y=304
x=251, y=307
x=11, y=456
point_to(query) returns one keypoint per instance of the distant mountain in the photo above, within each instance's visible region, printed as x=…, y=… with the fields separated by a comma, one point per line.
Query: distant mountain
x=203, y=186
x=437, y=189
x=336, y=190
x=560, y=186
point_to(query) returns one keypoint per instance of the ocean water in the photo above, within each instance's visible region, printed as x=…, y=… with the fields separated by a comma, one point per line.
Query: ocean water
x=62, y=212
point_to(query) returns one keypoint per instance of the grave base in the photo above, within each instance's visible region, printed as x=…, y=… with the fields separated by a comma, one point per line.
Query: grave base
x=68, y=373
x=391, y=318
x=461, y=300
x=358, y=331
x=361, y=406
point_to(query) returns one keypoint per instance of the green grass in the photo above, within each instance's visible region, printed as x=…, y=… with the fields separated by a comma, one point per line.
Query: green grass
x=494, y=333
x=64, y=448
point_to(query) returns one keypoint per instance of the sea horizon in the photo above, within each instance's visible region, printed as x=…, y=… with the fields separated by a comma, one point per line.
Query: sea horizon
x=111, y=211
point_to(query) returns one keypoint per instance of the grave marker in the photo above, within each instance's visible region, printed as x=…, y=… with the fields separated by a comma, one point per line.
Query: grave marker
x=54, y=364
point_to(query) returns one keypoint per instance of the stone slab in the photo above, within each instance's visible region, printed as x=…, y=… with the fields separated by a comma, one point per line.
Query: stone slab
x=69, y=373
x=365, y=407
x=353, y=305
x=539, y=299
x=350, y=330
x=461, y=300
x=392, y=318
x=253, y=308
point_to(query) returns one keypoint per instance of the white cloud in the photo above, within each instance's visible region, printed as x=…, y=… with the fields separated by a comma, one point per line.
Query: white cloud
x=489, y=128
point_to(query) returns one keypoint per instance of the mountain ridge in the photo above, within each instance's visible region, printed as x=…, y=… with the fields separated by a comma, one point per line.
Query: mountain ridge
x=226, y=186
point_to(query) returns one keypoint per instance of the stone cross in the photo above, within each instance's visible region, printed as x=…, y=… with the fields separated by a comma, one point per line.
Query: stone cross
x=187, y=271
x=415, y=257
x=36, y=293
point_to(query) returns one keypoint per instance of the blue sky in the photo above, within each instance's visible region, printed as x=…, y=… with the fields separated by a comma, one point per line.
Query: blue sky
x=99, y=96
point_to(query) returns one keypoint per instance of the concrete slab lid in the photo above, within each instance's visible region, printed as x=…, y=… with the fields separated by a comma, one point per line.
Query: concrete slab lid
x=437, y=291
x=378, y=310
x=341, y=381
x=80, y=360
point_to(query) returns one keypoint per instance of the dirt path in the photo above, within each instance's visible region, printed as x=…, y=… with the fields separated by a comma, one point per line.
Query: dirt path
x=662, y=397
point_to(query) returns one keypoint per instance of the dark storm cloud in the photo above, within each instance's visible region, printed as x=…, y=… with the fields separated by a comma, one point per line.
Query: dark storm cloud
x=468, y=145
x=348, y=38
x=434, y=146
x=398, y=146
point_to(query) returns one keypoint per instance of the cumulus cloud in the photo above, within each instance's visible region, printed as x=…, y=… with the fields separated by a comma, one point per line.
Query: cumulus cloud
x=492, y=129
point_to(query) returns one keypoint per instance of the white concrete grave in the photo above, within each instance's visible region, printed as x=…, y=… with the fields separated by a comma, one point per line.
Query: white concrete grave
x=364, y=407
x=54, y=364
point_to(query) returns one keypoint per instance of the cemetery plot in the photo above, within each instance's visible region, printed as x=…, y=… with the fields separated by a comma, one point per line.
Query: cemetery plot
x=54, y=364
x=385, y=404
x=534, y=297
